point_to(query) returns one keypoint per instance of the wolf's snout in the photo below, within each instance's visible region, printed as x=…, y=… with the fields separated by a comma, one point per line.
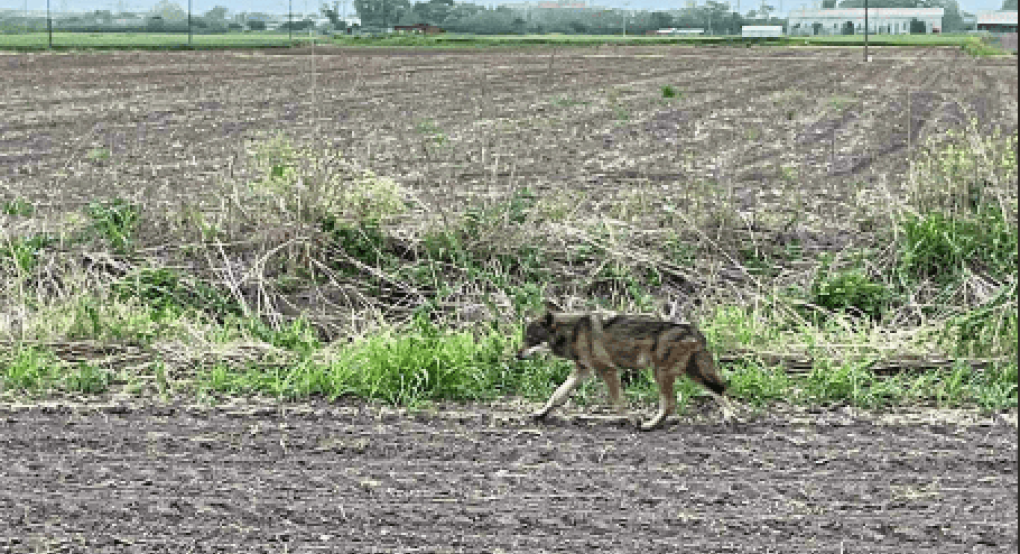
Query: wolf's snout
x=527, y=351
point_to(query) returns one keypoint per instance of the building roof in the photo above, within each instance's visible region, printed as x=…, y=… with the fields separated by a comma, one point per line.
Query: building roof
x=851, y=13
x=1001, y=18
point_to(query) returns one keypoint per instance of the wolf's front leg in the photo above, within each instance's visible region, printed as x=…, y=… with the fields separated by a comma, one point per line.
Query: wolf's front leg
x=563, y=392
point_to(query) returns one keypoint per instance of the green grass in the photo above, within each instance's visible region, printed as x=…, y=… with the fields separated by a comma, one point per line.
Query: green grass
x=150, y=41
x=158, y=41
x=424, y=364
x=35, y=370
x=472, y=40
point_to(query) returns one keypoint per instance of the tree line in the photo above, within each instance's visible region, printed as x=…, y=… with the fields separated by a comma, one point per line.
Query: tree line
x=714, y=17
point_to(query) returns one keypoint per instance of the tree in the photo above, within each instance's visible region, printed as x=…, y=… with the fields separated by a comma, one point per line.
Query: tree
x=1009, y=5
x=433, y=12
x=828, y=4
x=816, y=28
x=661, y=20
x=219, y=13
x=382, y=13
x=952, y=19
x=256, y=25
x=881, y=4
x=917, y=27
x=169, y=11
x=333, y=15
x=848, y=28
x=298, y=25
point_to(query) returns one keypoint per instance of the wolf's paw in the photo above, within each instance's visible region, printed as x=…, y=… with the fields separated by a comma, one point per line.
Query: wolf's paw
x=652, y=424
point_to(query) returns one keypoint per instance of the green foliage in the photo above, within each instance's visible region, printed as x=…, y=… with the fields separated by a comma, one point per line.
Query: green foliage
x=446, y=246
x=974, y=46
x=97, y=154
x=170, y=293
x=297, y=336
x=24, y=252
x=759, y=385
x=363, y=241
x=669, y=92
x=849, y=291
x=940, y=247
x=990, y=329
x=34, y=370
x=28, y=369
x=87, y=379
x=513, y=211
x=19, y=207
x=420, y=365
x=115, y=220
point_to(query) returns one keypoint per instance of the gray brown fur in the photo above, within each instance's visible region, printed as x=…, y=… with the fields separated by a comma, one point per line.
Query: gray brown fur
x=624, y=342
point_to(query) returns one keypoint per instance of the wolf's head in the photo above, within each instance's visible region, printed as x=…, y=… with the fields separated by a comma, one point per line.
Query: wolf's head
x=539, y=333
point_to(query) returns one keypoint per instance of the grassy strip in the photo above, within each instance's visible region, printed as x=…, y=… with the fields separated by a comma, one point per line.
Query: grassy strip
x=151, y=41
x=63, y=40
x=969, y=43
x=945, y=282
x=423, y=364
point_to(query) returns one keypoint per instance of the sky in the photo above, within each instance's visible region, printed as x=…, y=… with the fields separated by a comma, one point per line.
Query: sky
x=306, y=6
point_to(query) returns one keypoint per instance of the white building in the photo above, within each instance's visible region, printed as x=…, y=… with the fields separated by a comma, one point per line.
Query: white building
x=761, y=31
x=885, y=21
x=672, y=31
x=997, y=22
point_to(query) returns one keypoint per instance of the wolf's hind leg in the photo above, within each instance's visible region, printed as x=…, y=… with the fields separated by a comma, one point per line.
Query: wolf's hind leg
x=667, y=401
x=728, y=410
x=615, y=387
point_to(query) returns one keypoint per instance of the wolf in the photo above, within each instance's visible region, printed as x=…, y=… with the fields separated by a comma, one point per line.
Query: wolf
x=624, y=342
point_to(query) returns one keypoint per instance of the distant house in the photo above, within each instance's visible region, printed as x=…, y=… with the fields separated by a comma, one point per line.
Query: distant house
x=418, y=29
x=997, y=22
x=671, y=31
x=881, y=21
x=761, y=31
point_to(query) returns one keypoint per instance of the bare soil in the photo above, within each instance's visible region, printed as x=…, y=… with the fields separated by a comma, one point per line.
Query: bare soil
x=254, y=477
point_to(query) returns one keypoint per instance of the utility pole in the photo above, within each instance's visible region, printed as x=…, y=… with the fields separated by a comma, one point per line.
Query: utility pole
x=865, y=30
x=625, y=5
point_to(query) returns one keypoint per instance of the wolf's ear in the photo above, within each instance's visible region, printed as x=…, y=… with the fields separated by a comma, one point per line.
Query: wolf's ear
x=552, y=307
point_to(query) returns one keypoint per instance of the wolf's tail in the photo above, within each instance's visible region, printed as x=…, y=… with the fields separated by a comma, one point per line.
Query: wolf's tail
x=701, y=368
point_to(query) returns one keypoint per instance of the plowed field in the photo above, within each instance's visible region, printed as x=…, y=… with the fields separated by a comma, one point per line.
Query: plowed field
x=774, y=124
x=316, y=478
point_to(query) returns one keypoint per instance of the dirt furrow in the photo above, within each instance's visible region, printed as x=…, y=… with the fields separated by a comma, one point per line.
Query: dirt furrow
x=357, y=480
